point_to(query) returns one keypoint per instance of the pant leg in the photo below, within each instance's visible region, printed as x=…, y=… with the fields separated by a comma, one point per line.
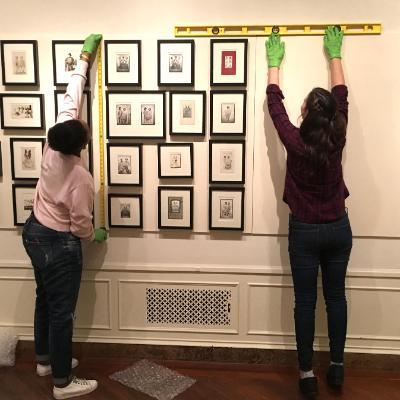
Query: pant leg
x=304, y=261
x=334, y=261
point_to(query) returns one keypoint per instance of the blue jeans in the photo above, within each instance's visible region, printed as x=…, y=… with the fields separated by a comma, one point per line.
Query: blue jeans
x=57, y=262
x=310, y=246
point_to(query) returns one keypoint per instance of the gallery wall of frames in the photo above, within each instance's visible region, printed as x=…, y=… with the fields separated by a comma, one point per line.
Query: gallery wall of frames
x=198, y=136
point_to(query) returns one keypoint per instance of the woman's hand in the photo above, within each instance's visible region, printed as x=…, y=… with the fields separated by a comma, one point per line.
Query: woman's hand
x=275, y=50
x=333, y=42
x=92, y=43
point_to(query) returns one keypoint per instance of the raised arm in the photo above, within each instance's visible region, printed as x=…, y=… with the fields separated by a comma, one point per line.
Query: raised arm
x=333, y=46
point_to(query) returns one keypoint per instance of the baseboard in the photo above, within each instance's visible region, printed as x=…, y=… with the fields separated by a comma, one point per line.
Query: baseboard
x=270, y=357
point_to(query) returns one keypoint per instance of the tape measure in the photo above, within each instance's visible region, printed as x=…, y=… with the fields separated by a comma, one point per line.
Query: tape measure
x=101, y=138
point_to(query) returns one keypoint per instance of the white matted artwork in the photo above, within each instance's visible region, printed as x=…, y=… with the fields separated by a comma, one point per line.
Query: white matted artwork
x=175, y=160
x=228, y=62
x=19, y=62
x=227, y=161
x=125, y=210
x=175, y=62
x=26, y=157
x=84, y=114
x=123, y=62
x=175, y=207
x=124, y=164
x=23, y=198
x=226, y=208
x=135, y=114
x=187, y=114
x=22, y=111
x=65, y=58
x=228, y=112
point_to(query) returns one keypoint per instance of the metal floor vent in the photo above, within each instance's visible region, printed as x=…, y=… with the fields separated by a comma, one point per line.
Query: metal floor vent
x=189, y=306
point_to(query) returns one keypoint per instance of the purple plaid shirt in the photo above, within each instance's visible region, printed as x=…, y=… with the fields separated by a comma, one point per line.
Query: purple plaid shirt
x=313, y=195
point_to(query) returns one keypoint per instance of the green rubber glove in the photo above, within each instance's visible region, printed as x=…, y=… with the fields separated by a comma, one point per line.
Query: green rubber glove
x=275, y=50
x=91, y=43
x=333, y=42
x=100, y=235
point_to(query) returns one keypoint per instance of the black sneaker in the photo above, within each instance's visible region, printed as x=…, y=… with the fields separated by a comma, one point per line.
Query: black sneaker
x=309, y=387
x=335, y=376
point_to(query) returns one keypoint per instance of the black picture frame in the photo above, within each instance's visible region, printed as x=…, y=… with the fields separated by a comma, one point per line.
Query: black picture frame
x=16, y=95
x=108, y=43
x=54, y=43
x=110, y=93
x=172, y=112
x=213, y=130
x=86, y=92
x=13, y=158
x=210, y=208
x=215, y=42
x=137, y=146
x=175, y=189
x=172, y=145
x=242, y=168
x=15, y=187
x=125, y=195
x=160, y=80
x=34, y=44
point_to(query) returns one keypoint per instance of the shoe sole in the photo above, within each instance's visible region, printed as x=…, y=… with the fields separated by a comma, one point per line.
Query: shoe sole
x=70, y=396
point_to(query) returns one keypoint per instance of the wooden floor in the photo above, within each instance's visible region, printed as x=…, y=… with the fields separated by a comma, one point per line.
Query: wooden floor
x=214, y=382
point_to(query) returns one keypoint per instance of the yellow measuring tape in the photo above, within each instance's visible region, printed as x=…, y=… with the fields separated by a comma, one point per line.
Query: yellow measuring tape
x=265, y=30
x=101, y=138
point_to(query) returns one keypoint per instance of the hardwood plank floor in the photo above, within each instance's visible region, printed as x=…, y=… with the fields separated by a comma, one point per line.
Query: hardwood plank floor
x=215, y=381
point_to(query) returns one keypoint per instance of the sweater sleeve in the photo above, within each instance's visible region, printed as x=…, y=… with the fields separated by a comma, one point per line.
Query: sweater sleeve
x=72, y=101
x=82, y=197
x=340, y=93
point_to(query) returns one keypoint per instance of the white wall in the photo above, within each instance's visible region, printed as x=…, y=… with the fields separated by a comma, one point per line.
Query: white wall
x=253, y=266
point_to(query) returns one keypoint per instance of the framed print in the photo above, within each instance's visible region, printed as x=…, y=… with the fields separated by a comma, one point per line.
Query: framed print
x=125, y=211
x=26, y=158
x=175, y=62
x=187, y=113
x=124, y=164
x=227, y=161
x=19, y=62
x=226, y=208
x=135, y=114
x=85, y=112
x=228, y=62
x=65, y=58
x=22, y=111
x=175, y=160
x=228, y=112
x=23, y=197
x=123, y=62
x=175, y=207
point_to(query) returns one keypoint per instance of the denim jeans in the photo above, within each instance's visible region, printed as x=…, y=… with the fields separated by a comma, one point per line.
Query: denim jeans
x=57, y=262
x=312, y=245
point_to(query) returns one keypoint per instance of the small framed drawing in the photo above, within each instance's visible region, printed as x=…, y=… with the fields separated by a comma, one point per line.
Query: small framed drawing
x=175, y=207
x=227, y=161
x=22, y=111
x=135, y=114
x=26, y=158
x=19, y=62
x=226, y=209
x=124, y=164
x=228, y=112
x=85, y=112
x=175, y=160
x=23, y=197
x=228, y=62
x=123, y=62
x=175, y=62
x=187, y=113
x=65, y=59
x=125, y=211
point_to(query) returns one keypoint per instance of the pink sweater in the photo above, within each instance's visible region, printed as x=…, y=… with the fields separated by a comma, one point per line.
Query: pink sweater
x=65, y=190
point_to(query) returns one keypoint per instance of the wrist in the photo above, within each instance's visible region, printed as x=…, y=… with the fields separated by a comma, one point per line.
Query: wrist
x=85, y=56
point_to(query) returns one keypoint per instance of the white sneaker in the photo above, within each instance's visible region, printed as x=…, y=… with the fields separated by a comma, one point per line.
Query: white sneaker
x=78, y=387
x=44, y=370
